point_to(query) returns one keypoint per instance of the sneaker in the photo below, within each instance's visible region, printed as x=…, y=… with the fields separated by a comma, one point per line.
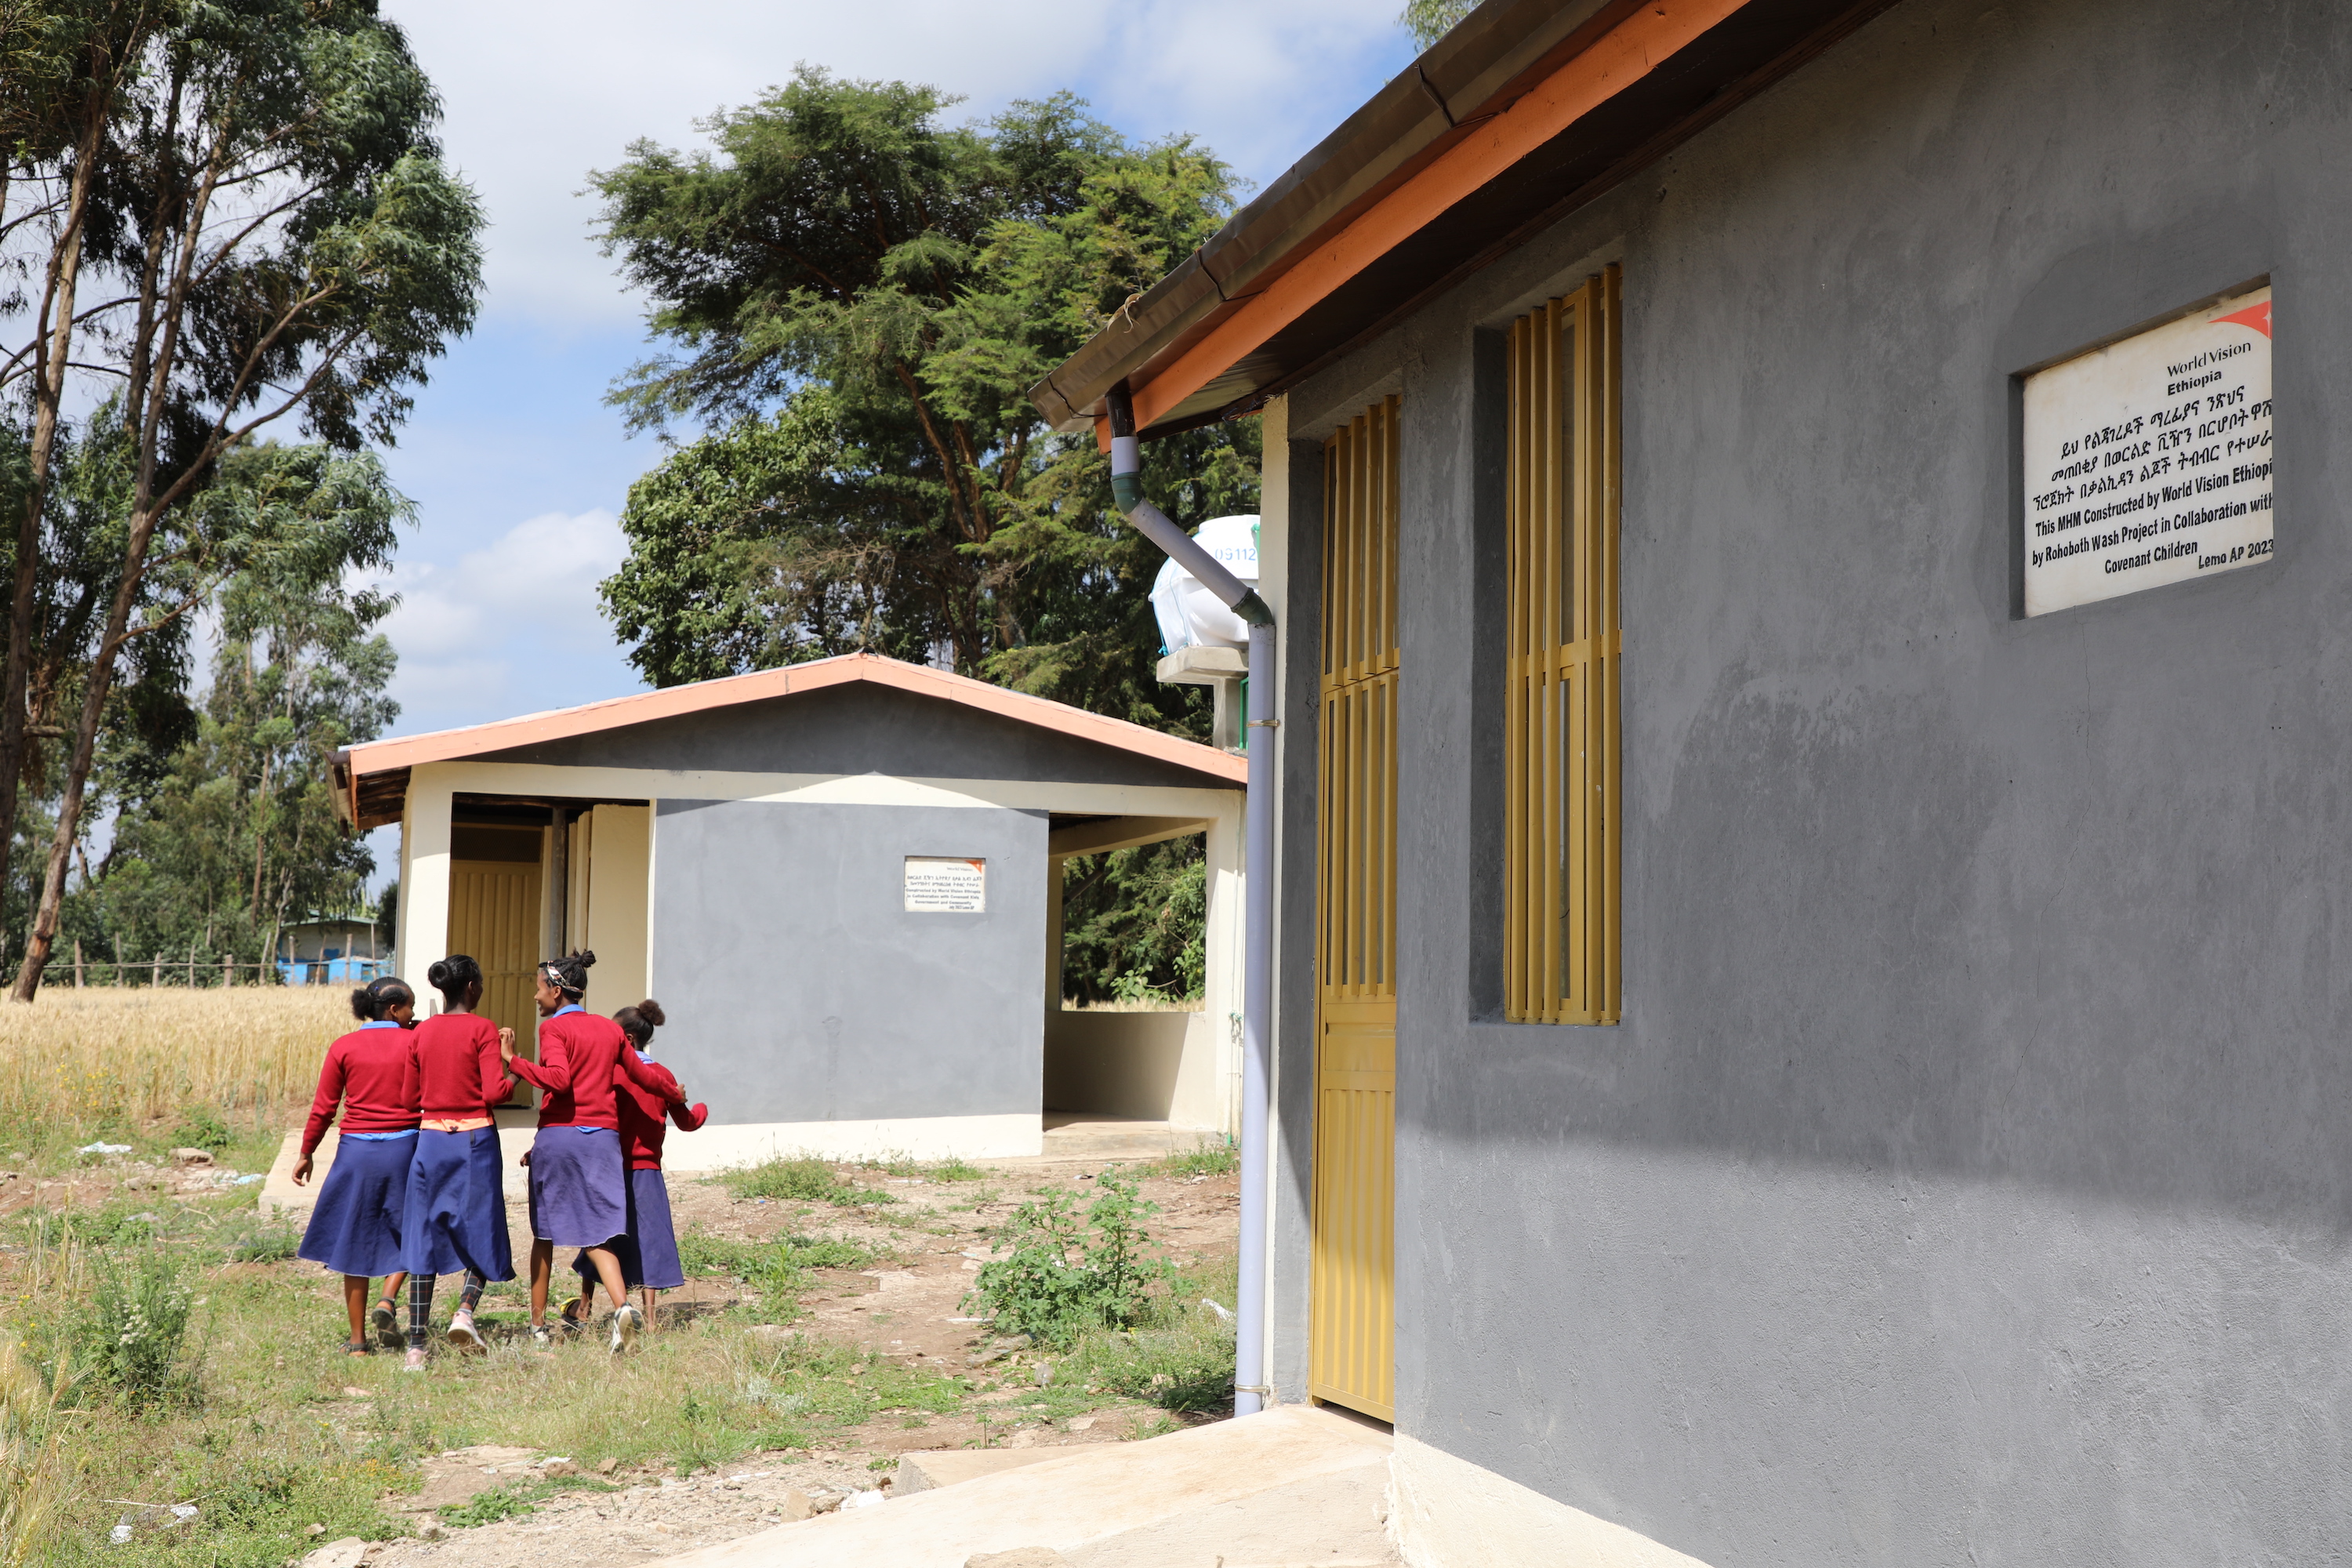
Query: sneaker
x=626, y=1324
x=416, y=1361
x=462, y=1332
x=540, y=1339
x=387, y=1327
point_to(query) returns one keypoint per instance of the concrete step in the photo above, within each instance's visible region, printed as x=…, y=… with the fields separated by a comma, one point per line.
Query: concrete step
x=1293, y=1486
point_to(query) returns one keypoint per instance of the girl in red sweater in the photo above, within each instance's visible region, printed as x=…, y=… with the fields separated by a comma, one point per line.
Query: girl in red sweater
x=457, y=1205
x=648, y=1253
x=355, y=1228
x=579, y=1180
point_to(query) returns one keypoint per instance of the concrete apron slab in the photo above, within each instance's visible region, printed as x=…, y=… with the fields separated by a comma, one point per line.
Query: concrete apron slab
x=1182, y=1497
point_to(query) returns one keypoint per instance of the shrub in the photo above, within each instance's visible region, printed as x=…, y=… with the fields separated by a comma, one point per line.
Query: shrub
x=129, y=1334
x=1057, y=1280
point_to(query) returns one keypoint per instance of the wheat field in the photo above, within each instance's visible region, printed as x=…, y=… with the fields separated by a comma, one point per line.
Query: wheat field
x=105, y=1056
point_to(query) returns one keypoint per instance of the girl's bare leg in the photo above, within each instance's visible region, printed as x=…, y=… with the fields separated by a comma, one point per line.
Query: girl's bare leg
x=543, y=1262
x=646, y=1294
x=608, y=1269
x=355, y=1306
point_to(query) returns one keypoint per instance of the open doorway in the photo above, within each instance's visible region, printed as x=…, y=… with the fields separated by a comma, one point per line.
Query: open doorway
x=1136, y=977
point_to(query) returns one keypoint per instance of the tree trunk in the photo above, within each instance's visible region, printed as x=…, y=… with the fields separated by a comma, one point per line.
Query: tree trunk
x=85, y=751
x=48, y=395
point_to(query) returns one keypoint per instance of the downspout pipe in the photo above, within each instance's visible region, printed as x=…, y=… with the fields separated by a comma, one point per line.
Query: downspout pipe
x=1250, y=1389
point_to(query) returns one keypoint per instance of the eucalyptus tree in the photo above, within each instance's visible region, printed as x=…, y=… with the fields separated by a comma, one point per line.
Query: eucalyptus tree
x=281, y=241
x=67, y=71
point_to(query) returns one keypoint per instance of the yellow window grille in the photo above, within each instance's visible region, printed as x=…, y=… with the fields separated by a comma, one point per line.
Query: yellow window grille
x=1561, y=953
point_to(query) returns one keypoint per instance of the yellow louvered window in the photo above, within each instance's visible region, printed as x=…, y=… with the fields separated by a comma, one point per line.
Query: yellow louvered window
x=1561, y=855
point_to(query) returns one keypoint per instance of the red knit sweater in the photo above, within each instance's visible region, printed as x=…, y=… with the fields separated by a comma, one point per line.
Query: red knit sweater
x=372, y=1071
x=646, y=1114
x=581, y=1054
x=458, y=1073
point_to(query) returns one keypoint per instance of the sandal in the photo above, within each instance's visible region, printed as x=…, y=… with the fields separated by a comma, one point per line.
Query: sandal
x=359, y=1347
x=387, y=1327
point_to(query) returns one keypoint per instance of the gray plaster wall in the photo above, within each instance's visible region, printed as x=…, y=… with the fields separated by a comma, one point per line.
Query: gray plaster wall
x=800, y=989
x=860, y=728
x=1971, y=1179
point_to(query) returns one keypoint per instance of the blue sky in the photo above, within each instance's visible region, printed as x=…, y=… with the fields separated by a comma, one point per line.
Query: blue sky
x=518, y=467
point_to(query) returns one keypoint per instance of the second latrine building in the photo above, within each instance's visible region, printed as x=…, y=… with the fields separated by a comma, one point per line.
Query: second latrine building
x=842, y=880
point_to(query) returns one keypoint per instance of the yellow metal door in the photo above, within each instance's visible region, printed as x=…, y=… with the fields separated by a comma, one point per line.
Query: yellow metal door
x=1352, y=1339
x=494, y=916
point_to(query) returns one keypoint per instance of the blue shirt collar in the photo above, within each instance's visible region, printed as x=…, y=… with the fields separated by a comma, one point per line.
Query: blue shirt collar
x=567, y=1008
x=381, y=1023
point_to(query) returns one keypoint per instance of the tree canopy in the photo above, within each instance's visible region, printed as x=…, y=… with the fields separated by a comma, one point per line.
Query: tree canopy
x=234, y=212
x=854, y=297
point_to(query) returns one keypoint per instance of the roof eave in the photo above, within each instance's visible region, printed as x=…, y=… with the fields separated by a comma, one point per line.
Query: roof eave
x=1500, y=55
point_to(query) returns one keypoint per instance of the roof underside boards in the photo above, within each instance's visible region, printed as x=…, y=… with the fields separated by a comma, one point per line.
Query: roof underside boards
x=1501, y=53
x=853, y=715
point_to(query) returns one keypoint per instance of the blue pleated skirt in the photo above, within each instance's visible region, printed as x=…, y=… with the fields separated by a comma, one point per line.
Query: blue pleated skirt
x=648, y=1253
x=456, y=1206
x=355, y=1228
x=579, y=1186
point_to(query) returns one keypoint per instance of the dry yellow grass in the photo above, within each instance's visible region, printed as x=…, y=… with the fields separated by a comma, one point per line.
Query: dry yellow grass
x=102, y=1057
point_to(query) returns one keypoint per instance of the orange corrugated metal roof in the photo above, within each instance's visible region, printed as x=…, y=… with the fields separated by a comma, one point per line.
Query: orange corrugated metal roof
x=398, y=752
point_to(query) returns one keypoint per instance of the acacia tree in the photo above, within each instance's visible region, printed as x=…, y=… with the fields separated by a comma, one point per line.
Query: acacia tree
x=282, y=241
x=856, y=298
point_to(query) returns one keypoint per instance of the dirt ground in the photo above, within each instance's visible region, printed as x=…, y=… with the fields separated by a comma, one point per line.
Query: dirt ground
x=909, y=1307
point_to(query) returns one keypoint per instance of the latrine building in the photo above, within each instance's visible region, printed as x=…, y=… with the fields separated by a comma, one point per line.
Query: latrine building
x=841, y=879
x=1812, y=993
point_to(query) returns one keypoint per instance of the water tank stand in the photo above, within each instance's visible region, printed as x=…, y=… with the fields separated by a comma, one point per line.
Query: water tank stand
x=1221, y=669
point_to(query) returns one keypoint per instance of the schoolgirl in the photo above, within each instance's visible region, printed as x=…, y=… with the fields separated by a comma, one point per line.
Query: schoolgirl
x=649, y=1252
x=579, y=1180
x=355, y=1228
x=456, y=1206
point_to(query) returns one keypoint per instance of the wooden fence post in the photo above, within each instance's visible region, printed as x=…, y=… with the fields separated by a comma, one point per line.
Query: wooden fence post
x=156, y=976
x=77, y=964
x=228, y=972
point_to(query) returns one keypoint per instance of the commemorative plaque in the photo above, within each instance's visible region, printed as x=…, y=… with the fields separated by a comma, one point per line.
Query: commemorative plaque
x=2149, y=460
x=946, y=885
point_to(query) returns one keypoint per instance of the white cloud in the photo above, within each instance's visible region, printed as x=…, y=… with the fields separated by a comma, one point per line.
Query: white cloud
x=511, y=627
x=539, y=93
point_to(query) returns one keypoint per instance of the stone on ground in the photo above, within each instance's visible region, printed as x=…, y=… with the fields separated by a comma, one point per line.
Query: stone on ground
x=347, y=1553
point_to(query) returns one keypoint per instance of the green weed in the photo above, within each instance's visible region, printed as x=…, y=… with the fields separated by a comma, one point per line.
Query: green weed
x=804, y=1178
x=200, y=1128
x=129, y=1337
x=1066, y=1272
x=1208, y=1160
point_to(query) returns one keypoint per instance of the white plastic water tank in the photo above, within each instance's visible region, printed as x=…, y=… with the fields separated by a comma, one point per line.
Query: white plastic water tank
x=1189, y=614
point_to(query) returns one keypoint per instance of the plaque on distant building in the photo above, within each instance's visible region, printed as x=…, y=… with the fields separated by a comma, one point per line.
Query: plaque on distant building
x=2149, y=460
x=944, y=885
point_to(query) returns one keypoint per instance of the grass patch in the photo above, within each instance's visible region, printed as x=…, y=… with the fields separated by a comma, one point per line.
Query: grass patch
x=802, y=1178
x=1208, y=1160
x=515, y=1499
x=778, y=1270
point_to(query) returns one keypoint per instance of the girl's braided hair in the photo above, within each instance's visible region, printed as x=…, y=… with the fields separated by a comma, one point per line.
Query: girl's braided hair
x=569, y=973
